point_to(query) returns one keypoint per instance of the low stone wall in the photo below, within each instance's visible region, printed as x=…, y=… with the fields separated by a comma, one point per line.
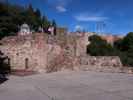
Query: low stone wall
x=99, y=63
x=113, y=61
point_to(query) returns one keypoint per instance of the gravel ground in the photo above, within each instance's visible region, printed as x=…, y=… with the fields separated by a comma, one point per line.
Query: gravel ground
x=69, y=86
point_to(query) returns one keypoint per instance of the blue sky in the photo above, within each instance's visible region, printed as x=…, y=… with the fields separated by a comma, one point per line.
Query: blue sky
x=111, y=16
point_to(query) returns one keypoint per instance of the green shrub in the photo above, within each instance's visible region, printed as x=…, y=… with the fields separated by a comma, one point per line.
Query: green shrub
x=122, y=48
x=125, y=47
x=4, y=66
x=99, y=47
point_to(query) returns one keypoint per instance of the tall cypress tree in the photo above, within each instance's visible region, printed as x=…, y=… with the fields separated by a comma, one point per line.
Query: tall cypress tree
x=55, y=26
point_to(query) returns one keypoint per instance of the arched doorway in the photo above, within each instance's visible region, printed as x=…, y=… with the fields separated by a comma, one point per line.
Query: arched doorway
x=26, y=63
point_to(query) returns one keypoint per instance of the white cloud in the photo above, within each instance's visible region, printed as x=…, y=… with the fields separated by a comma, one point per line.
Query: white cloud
x=78, y=27
x=61, y=9
x=87, y=17
x=59, y=5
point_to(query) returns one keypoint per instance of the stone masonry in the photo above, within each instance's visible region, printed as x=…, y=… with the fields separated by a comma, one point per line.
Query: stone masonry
x=25, y=52
x=46, y=53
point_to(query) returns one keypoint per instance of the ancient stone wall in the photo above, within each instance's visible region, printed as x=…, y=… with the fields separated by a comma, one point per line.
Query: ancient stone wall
x=99, y=63
x=45, y=53
x=26, y=52
x=37, y=51
x=82, y=41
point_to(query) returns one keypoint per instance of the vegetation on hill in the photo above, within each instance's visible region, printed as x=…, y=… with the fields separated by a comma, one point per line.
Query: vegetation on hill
x=13, y=16
x=4, y=68
x=125, y=48
x=122, y=48
x=100, y=47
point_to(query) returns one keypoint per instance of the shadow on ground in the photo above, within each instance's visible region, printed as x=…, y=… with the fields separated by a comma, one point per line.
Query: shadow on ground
x=3, y=79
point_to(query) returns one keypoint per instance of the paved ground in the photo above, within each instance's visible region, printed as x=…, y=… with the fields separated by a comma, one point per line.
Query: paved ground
x=69, y=86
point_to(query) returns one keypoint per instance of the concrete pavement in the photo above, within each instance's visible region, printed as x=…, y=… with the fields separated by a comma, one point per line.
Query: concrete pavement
x=69, y=86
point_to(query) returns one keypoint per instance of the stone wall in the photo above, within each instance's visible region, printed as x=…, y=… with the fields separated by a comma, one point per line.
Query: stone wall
x=37, y=51
x=45, y=53
x=82, y=41
x=28, y=52
x=100, y=63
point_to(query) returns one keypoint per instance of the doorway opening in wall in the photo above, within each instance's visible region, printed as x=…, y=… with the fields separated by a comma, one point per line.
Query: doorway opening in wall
x=26, y=63
x=9, y=64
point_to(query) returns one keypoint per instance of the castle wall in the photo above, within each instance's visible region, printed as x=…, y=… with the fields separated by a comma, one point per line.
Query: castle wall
x=46, y=53
x=81, y=43
x=35, y=52
x=99, y=63
x=26, y=52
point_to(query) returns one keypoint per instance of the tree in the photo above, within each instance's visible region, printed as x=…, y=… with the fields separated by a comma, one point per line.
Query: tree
x=125, y=48
x=7, y=24
x=55, y=26
x=45, y=22
x=99, y=47
x=127, y=42
x=38, y=13
x=118, y=44
x=30, y=10
x=3, y=9
x=4, y=67
x=12, y=16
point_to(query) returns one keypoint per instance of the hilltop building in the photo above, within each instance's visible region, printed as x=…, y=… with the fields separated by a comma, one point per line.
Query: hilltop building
x=24, y=30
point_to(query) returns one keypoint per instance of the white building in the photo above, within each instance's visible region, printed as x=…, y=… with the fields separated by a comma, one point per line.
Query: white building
x=51, y=30
x=24, y=30
x=40, y=29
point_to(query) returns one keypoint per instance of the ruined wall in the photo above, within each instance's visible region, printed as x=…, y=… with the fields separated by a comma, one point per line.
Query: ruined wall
x=37, y=51
x=26, y=52
x=62, y=56
x=81, y=43
x=45, y=53
x=100, y=63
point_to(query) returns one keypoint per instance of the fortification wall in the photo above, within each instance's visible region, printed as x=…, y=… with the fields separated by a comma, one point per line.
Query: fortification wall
x=35, y=52
x=99, y=63
x=26, y=52
x=45, y=53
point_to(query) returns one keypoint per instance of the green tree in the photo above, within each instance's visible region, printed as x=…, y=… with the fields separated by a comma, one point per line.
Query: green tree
x=127, y=42
x=12, y=16
x=4, y=67
x=38, y=13
x=55, y=26
x=100, y=47
x=45, y=21
x=125, y=48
